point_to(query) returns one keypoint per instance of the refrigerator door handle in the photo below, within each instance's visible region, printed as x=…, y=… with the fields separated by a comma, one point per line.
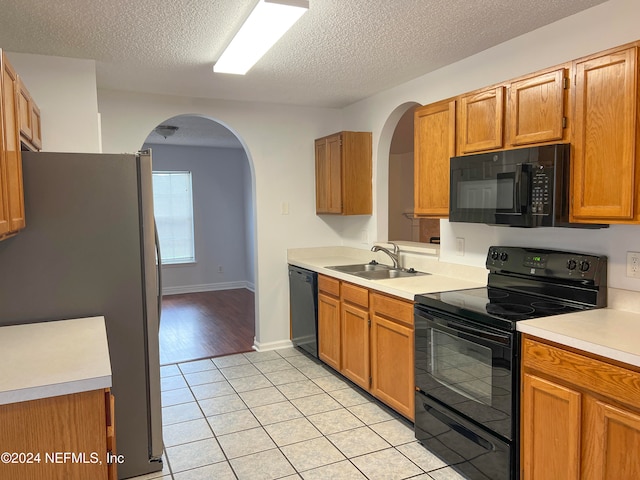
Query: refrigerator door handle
x=159, y=272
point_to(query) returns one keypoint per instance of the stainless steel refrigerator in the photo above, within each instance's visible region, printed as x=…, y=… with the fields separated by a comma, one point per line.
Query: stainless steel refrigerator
x=89, y=249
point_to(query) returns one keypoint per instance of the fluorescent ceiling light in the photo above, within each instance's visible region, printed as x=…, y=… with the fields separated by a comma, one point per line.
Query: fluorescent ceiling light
x=268, y=21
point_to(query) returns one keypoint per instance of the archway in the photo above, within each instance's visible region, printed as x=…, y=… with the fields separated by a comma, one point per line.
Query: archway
x=212, y=293
x=395, y=181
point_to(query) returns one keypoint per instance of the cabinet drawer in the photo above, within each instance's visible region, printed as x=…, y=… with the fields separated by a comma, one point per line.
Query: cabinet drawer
x=356, y=295
x=399, y=310
x=588, y=373
x=329, y=285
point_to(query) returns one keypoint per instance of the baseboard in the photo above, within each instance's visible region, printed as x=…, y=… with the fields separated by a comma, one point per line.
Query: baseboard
x=263, y=347
x=207, y=287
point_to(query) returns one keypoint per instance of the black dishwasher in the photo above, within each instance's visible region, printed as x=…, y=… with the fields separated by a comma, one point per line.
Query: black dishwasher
x=303, y=307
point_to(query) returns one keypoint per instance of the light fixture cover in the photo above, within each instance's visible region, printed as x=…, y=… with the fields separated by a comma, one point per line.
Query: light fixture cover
x=166, y=130
x=268, y=21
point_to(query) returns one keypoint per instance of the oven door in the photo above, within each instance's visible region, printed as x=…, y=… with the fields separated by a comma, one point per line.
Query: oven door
x=476, y=453
x=468, y=367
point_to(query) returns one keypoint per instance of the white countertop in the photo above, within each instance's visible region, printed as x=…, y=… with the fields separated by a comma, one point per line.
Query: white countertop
x=404, y=287
x=606, y=332
x=612, y=332
x=48, y=359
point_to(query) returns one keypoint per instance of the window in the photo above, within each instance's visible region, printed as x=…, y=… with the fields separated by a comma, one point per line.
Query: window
x=173, y=206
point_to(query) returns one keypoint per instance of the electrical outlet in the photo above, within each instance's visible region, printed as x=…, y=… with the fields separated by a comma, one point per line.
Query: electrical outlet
x=460, y=246
x=633, y=264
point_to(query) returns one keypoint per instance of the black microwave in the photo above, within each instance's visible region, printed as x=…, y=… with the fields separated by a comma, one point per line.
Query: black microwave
x=525, y=187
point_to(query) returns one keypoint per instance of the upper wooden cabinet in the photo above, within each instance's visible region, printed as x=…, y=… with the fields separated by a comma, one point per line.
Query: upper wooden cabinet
x=604, y=161
x=343, y=174
x=435, y=144
x=481, y=120
x=29, y=115
x=12, y=199
x=536, y=109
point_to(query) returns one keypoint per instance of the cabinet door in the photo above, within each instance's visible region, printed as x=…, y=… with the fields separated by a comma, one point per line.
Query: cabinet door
x=12, y=155
x=604, y=158
x=550, y=430
x=36, y=129
x=24, y=111
x=536, y=109
x=481, y=120
x=611, y=442
x=434, y=136
x=73, y=423
x=392, y=353
x=328, y=175
x=355, y=345
x=329, y=330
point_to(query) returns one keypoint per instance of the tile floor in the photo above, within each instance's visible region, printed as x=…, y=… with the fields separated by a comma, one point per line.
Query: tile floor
x=282, y=415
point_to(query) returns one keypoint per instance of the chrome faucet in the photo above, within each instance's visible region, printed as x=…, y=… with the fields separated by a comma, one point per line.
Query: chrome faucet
x=395, y=255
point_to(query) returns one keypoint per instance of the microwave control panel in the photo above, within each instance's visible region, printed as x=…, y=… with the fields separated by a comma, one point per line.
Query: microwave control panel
x=541, y=191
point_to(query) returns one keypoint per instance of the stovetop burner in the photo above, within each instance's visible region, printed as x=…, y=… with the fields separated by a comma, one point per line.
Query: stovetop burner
x=555, y=283
x=509, y=310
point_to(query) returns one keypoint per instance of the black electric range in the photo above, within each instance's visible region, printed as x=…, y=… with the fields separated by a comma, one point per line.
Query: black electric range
x=467, y=352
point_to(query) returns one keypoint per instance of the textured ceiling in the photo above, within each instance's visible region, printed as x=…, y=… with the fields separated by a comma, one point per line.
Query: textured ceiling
x=339, y=52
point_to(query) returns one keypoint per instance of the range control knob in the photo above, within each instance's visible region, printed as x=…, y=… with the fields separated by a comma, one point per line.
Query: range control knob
x=494, y=254
x=584, y=266
x=571, y=264
x=504, y=256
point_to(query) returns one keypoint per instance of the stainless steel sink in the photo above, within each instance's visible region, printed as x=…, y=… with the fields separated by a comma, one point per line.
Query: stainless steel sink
x=376, y=271
x=390, y=273
x=361, y=267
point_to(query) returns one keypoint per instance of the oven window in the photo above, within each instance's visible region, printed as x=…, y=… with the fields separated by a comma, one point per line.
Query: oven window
x=461, y=365
x=493, y=194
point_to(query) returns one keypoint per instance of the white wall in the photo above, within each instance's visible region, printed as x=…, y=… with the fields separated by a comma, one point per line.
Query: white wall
x=607, y=25
x=65, y=91
x=279, y=144
x=220, y=234
x=400, y=195
x=278, y=140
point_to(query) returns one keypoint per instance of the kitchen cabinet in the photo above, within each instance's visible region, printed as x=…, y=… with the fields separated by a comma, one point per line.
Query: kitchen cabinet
x=604, y=163
x=329, y=328
x=343, y=174
x=44, y=429
x=368, y=338
x=481, y=120
x=435, y=144
x=29, y=116
x=392, y=353
x=537, y=106
x=11, y=194
x=355, y=334
x=580, y=415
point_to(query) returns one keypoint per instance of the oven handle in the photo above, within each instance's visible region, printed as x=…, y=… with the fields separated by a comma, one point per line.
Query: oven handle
x=461, y=429
x=440, y=320
x=494, y=337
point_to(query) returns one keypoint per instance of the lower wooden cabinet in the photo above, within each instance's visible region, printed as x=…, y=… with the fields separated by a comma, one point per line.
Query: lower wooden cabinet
x=354, y=316
x=368, y=337
x=580, y=416
x=392, y=353
x=329, y=331
x=68, y=437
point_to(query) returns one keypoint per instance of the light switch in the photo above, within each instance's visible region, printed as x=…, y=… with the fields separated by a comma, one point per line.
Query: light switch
x=284, y=208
